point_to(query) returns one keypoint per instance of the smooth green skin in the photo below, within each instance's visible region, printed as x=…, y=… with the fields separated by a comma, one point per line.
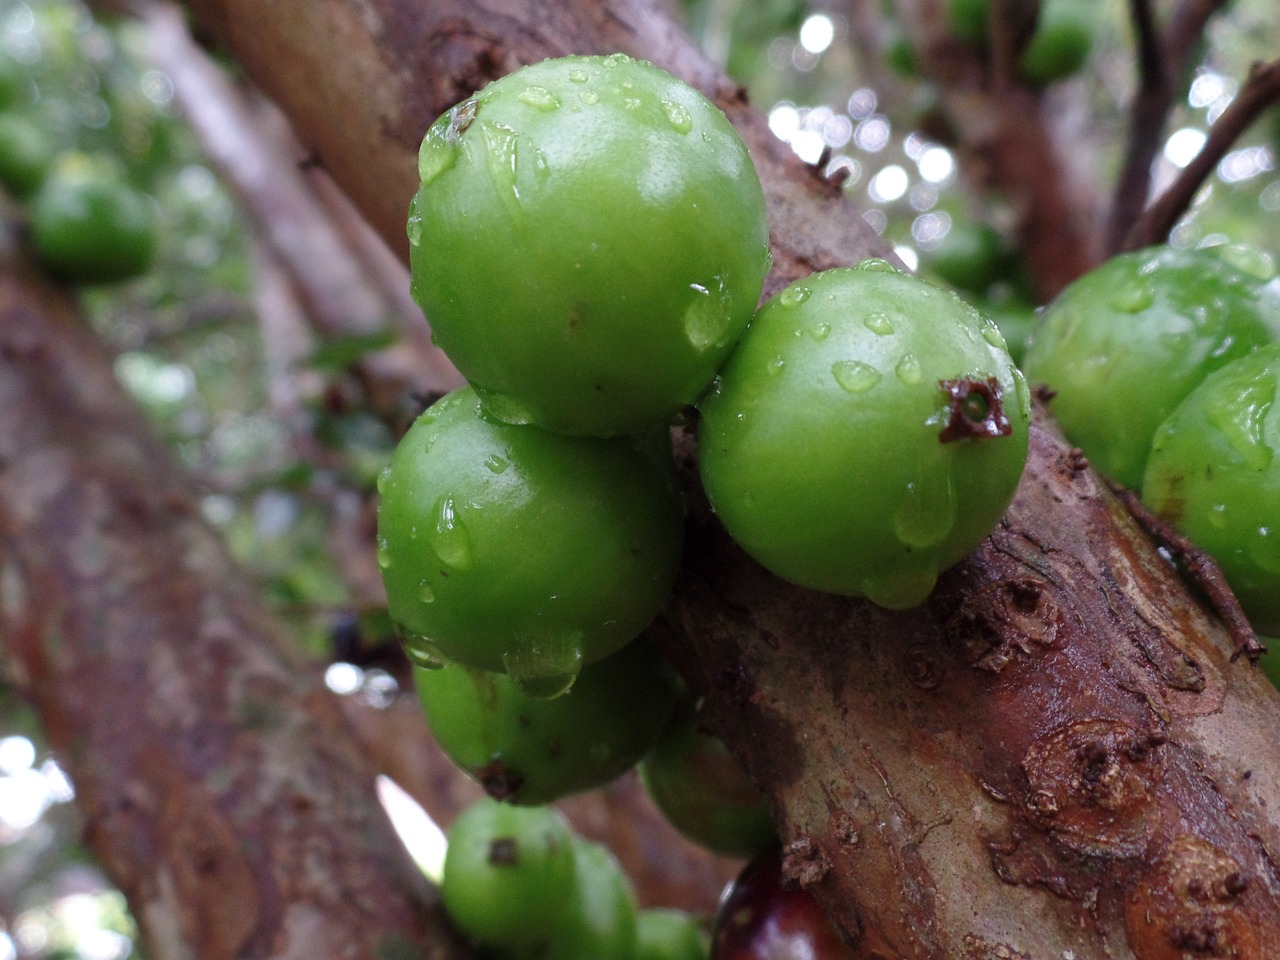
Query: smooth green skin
x=664, y=933
x=701, y=788
x=529, y=750
x=820, y=448
x=513, y=549
x=600, y=923
x=509, y=873
x=1124, y=344
x=1214, y=473
x=90, y=227
x=1015, y=317
x=26, y=152
x=1061, y=42
x=588, y=242
x=971, y=257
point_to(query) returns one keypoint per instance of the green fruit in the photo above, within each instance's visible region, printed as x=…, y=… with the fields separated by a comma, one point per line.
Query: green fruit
x=1213, y=472
x=867, y=433
x=600, y=921
x=701, y=788
x=1124, y=344
x=13, y=80
x=588, y=241
x=1061, y=43
x=530, y=750
x=971, y=257
x=663, y=933
x=509, y=873
x=969, y=20
x=513, y=549
x=26, y=152
x=91, y=227
x=1014, y=316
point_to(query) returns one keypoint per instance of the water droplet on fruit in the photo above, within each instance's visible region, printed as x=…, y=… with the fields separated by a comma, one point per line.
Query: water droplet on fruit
x=991, y=333
x=1241, y=420
x=774, y=366
x=495, y=463
x=707, y=319
x=927, y=512
x=854, y=376
x=876, y=265
x=413, y=229
x=794, y=296
x=438, y=153
x=900, y=589
x=500, y=157
x=384, y=476
x=820, y=331
x=450, y=539
x=384, y=554
x=908, y=369
x=615, y=59
x=589, y=97
x=878, y=323
x=678, y=116
x=1133, y=297
x=1218, y=516
x=1248, y=259
x=1264, y=549
x=423, y=653
x=425, y=593
x=505, y=408
x=545, y=667
x=540, y=98
x=578, y=75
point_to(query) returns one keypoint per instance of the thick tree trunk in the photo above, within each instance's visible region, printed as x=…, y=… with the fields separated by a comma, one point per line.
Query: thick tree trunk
x=1055, y=757
x=222, y=788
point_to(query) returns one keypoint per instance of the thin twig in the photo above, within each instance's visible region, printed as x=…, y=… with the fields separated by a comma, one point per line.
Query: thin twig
x=1260, y=90
x=1203, y=571
x=1148, y=114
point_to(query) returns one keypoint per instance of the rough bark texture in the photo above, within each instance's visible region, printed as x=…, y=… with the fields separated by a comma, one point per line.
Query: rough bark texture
x=222, y=788
x=1056, y=757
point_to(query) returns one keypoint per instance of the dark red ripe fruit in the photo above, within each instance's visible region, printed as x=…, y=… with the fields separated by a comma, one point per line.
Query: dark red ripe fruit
x=761, y=918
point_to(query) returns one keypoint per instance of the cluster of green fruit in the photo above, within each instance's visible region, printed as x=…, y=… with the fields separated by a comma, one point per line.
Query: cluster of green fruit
x=1165, y=365
x=523, y=886
x=88, y=225
x=590, y=242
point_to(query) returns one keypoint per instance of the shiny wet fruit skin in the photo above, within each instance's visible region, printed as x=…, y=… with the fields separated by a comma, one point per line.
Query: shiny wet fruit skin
x=1213, y=472
x=761, y=918
x=1124, y=344
x=516, y=550
x=507, y=873
x=532, y=750
x=701, y=788
x=588, y=241
x=92, y=227
x=833, y=449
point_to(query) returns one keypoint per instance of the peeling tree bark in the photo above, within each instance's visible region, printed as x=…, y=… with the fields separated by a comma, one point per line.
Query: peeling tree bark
x=222, y=788
x=1055, y=757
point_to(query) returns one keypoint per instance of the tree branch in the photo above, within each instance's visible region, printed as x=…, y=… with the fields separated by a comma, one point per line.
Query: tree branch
x=1260, y=91
x=223, y=791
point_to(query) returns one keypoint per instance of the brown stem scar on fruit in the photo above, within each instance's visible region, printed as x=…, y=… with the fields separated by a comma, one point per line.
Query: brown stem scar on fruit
x=504, y=852
x=976, y=408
